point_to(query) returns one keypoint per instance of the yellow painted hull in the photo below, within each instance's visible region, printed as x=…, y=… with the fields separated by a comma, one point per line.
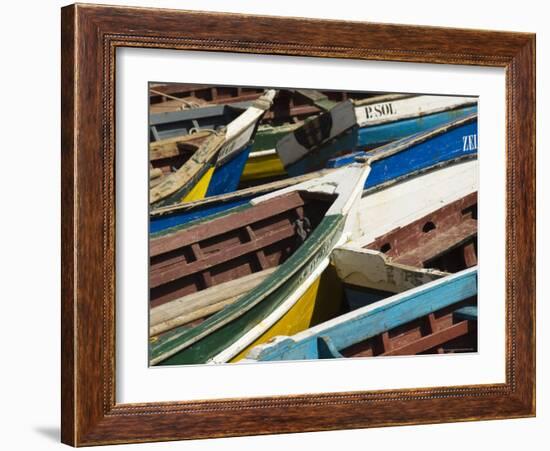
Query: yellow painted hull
x=262, y=167
x=320, y=302
x=199, y=190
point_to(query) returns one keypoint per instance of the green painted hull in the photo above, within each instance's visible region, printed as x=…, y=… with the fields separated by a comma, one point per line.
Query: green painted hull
x=201, y=343
x=267, y=138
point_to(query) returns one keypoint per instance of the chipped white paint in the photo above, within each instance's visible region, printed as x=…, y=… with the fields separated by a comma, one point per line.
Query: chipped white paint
x=370, y=269
x=239, y=131
x=396, y=110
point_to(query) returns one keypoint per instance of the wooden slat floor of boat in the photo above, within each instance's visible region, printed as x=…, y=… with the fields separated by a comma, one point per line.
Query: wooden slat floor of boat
x=429, y=334
x=438, y=243
x=225, y=224
x=199, y=305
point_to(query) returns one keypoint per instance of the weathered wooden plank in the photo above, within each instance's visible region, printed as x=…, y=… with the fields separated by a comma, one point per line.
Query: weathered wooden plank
x=439, y=243
x=173, y=272
x=225, y=224
x=183, y=310
x=432, y=340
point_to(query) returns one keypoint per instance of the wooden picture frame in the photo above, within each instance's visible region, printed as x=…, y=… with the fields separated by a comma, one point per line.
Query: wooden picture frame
x=90, y=36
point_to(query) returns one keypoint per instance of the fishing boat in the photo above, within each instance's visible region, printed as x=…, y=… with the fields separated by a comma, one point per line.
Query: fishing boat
x=258, y=270
x=349, y=127
x=215, y=167
x=432, y=318
x=422, y=252
x=453, y=140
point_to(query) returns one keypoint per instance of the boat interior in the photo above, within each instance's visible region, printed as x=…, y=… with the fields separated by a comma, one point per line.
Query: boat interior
x=169, y=155
x=442, y=242
x=225, y=257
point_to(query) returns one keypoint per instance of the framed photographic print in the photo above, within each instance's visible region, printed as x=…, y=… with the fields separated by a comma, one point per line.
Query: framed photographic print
x=269, y=231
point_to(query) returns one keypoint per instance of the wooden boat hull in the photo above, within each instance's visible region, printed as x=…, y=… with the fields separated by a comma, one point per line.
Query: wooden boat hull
x=336, y=133
x=273, y=292
x=263, y=165
x=164, y=219
x=374, y=136
x=321, y=301
x=226, y=177
x=182, y=214
x=181, y=123
x=327, y=340
x=221, y=158
x=226, y=334
x=452, y=143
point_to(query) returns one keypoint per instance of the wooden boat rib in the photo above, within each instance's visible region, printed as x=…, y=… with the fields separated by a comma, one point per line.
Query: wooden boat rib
x=192, y=179
x=438, y=332
x=293, y=229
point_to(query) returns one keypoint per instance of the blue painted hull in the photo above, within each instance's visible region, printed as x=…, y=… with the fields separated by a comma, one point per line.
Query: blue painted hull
x=378, y=135
x=226, y=177
x=160, y=223
x=444, y=147
x=371, y=137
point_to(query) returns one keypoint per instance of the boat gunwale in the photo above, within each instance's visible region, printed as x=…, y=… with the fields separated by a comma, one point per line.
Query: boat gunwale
x=328, y=327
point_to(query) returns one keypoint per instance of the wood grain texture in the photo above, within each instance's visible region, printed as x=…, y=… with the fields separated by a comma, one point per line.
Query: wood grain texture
x=90, y=36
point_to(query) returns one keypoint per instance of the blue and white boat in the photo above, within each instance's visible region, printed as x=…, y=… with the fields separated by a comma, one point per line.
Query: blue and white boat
x=366, y=125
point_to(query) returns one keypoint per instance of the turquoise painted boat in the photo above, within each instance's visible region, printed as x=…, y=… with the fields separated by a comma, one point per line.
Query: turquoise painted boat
x=350, y=126
x=307, y=221
x=348, y=335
